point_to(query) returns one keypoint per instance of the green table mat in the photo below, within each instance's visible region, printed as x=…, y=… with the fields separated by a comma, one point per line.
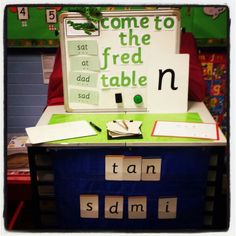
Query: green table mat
x=147, y=126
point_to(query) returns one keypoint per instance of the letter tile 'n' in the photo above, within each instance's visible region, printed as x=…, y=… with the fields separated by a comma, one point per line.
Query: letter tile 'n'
x=151, y=169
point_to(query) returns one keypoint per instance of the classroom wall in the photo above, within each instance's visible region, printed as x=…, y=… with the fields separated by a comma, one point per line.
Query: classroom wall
x=26, y=93
x=208, y=24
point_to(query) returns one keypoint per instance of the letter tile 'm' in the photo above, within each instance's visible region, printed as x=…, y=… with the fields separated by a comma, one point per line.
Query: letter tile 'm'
x=167, y=208
x=114, y=167
x=151, y=169
x=89, y=206
x=132, y=168
x=114, y=207
x=137, y=207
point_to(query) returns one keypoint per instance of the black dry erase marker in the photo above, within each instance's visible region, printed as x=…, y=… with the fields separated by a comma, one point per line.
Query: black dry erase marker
x=95, y=126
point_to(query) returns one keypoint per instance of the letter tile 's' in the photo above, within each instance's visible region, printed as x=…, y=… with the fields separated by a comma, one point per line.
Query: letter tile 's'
x=89, y=207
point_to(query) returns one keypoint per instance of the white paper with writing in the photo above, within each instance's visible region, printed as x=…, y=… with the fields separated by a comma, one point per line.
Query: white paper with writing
x=186, y=129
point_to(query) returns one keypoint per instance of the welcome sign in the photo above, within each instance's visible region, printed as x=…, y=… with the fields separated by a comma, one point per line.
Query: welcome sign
x=114, y=65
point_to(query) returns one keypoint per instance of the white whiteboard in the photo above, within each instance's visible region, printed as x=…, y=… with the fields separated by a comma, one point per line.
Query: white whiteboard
x=109, y=69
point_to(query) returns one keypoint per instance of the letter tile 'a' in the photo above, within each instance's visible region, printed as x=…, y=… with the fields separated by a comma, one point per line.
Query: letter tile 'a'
x=132, y=168
x=114, y=207
x=89, y=206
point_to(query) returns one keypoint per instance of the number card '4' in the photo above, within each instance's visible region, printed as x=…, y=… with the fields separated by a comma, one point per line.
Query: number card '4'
x=23, y=13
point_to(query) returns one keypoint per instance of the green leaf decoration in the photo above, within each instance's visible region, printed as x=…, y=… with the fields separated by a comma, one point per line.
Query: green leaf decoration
x=92, y=14
x=88, y=28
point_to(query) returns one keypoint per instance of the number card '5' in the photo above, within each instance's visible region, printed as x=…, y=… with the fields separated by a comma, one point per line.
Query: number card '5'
x=51, y=15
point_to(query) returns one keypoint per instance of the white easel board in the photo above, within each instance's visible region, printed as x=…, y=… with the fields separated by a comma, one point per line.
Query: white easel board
x=109, y=69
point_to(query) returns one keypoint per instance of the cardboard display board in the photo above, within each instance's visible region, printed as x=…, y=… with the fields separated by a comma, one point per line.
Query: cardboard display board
x=115, y=66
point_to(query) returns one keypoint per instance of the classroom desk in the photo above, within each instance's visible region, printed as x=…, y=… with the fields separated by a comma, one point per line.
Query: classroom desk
x=191, y=171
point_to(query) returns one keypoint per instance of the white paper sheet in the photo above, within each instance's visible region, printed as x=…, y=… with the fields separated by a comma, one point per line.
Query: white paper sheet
x=186, y=129
x=47, y=133
x=124, y=128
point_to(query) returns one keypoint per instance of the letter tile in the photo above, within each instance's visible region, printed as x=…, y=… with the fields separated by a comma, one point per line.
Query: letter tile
x=114, y=167
x=167, y=208
x=137, y=207
x=132, y=168
x=151, y=169
x=114, y=207
x=89, y=207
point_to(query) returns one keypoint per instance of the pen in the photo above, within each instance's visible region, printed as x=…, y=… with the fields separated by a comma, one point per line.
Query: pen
x=95, y=126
